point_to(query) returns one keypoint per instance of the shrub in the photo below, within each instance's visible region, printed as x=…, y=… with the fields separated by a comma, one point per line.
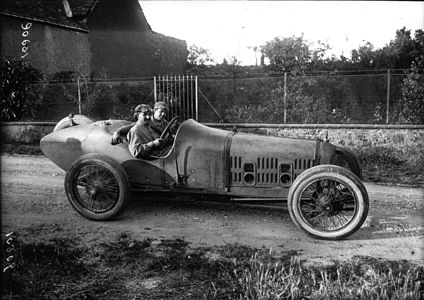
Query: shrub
x=18, y=100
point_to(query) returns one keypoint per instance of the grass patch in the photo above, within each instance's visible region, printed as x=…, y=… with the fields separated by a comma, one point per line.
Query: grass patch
x=169, y=269
x=27, y=149
x=51, y=271
x=390, y=165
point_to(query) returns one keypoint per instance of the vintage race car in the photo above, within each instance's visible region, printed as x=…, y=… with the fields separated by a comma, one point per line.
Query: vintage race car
x=320, y=181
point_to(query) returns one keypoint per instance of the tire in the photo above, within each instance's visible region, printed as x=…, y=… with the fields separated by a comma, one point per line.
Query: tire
x=97, y=187
x=345, y=158
x=76, y=120
x=328, y=202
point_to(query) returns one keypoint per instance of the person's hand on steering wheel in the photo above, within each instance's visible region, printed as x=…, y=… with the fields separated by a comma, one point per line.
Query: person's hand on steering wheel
x=157, y=142
x=167, y=133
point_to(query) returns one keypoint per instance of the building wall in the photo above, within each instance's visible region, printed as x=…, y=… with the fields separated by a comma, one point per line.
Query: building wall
x=120, y=44
x=123, y=44
x=168, y=55
x=51, y=49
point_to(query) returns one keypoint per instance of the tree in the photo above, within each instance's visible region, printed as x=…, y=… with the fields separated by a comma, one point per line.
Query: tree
x=198, y=58
x=77, y=88
x=19, y=100
x=413, y=93
x=364, y=56
x=288, y=54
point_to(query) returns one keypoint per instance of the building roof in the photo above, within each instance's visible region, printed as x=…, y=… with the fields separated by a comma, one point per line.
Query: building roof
x=54, y=12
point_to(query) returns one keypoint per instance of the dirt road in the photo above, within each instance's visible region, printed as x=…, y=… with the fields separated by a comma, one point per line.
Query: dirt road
x=35, y=207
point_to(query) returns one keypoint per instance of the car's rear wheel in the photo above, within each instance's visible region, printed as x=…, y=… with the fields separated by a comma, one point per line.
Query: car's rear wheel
x=97, y=187
x=328, y=202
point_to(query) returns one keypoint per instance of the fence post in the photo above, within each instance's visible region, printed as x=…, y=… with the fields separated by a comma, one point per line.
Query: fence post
x=388, y=97
x=285, y=98
x=154, y=89
x=79, y=95
x=197, y=99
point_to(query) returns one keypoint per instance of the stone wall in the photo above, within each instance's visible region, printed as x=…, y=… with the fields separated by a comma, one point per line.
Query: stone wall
x=25, y=132
x=399, y=139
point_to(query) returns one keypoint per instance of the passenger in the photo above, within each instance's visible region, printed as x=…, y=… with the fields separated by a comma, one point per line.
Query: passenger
x=159, y=122
x=142, y=140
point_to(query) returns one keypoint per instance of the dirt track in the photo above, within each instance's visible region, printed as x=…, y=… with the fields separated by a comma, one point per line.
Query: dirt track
x=35, y=207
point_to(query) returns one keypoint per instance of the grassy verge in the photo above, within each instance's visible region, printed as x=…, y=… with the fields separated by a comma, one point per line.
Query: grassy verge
x=169, y=269
x=389, y=165
x=21, y=149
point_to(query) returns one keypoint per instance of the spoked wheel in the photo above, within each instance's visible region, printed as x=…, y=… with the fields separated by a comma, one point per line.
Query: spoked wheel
x=97, y=187
x=328, y=202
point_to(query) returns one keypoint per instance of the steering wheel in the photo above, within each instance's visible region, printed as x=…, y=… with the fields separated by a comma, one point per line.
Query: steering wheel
x=169, y=129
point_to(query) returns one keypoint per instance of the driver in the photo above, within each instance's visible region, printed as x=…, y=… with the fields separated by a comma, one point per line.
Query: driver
x=142, y=139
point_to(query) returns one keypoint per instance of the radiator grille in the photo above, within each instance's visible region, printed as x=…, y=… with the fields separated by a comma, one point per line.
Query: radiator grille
x=301, y=165
x=267, y=172
x=236, y=169
x=268, y=169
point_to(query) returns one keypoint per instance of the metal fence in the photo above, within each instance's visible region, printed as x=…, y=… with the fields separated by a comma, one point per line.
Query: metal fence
x=317, y=99
x=180, y=93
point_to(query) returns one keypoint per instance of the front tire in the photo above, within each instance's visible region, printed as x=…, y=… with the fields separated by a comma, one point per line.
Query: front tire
x=328, y=202
x=97, y=187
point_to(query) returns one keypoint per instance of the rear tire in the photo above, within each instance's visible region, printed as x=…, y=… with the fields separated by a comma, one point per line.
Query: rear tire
x=97, y=187
x=328, y=202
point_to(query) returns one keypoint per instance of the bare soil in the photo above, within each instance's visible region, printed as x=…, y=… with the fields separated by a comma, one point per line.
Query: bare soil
x=34, y=207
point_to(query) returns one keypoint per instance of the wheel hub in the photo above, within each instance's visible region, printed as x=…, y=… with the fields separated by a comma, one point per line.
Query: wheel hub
x=95, y=188
x=327, y=208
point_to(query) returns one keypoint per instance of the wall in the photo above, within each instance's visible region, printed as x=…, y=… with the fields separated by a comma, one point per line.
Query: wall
x=357, y=138
x=25, y=132
x=51, y=49
x=123, y=44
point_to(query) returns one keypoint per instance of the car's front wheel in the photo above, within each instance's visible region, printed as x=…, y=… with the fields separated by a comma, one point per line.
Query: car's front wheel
x=97, y=187
x=328, y=202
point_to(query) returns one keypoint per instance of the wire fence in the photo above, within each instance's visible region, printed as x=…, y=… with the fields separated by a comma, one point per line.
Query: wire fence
x=326, y=98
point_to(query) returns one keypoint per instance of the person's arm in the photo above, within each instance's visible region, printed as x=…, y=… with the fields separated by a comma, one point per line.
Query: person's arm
x=139, y=149
x=123, y=131
x=118, y=135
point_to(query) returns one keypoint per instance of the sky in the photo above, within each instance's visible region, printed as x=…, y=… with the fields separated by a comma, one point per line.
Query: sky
x=233, y=28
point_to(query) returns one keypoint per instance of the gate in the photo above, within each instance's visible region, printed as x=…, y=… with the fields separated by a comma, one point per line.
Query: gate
x=180, y=93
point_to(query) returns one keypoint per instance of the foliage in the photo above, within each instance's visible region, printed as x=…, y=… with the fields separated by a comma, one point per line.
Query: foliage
x=77, y=89
x=18, y=100
x=389, y=165
x=348, y=91
x=101, y=99
x=413, y=93
x=124, y=97
x=198, y=58
x=308, y=100
x=128, y=268
x=291, y=55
